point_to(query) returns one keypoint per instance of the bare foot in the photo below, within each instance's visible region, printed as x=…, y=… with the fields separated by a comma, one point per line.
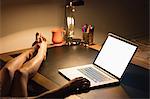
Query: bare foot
x=35, y=45
x=41, y=42
x=43, y=45
x=37, y=39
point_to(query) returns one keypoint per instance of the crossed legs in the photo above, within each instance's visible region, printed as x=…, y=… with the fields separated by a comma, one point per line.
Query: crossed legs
x=27, y=71
x=8, y=71
x=15, y=74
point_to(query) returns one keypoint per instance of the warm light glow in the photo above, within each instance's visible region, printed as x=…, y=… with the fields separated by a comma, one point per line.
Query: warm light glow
x=70, y=22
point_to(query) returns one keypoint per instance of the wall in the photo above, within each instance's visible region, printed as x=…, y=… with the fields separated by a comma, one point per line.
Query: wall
x=128, y=18
x=18, y=15
x=21, y=19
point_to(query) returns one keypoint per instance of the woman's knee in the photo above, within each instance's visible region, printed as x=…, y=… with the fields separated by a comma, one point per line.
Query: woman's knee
x=6, y=72
x=21, y=73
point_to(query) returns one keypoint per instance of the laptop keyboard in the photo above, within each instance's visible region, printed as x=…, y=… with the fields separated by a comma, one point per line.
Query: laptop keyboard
x=93, y=74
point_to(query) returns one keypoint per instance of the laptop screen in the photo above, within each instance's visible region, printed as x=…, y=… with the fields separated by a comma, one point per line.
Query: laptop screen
x=115, y=55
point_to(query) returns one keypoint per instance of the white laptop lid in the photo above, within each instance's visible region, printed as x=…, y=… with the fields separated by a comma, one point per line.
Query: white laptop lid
x=115, y=55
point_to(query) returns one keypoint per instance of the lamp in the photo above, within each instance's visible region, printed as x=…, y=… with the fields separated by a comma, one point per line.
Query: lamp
x=70, y=19
x=75, y=2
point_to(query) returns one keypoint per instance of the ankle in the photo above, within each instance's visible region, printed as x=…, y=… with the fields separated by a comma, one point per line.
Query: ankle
x=29, y=53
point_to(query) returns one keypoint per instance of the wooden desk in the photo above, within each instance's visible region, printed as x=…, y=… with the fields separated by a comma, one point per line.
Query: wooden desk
x=60, y=57
x=69, y=56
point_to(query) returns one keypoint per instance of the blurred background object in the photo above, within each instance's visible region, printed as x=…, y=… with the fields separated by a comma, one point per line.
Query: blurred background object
x=58, y=35
x=70, y=19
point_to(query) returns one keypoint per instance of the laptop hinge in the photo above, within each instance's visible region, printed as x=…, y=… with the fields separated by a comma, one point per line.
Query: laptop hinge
x=107, y=72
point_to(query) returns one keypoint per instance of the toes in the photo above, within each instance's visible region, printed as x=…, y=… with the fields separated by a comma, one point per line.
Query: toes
x=37, y=36
x=37, y=39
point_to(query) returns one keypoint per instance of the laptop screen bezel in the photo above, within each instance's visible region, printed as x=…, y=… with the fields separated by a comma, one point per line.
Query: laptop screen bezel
x=122, y=39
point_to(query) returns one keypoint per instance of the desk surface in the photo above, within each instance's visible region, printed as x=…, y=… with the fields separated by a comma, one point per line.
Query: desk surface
x=68, y=56
x=135, y=82
x=65, y=56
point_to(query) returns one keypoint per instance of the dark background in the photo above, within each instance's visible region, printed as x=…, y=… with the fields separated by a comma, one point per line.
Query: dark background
x=20, y=18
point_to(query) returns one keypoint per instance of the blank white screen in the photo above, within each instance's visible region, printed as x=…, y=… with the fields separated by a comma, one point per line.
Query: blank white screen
x=115, y=56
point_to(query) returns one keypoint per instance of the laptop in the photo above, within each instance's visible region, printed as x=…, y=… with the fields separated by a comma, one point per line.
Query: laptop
x=109, y=64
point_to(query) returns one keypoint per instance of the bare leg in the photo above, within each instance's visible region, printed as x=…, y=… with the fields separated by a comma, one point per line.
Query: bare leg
x=27, y=71
x=19, y=85
x=75, y=86
x=7, y=72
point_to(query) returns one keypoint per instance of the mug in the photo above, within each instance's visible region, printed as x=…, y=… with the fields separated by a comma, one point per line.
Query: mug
x=58, y=35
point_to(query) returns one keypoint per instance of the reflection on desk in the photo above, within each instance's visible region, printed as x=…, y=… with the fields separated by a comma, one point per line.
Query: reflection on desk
x=136, y=81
